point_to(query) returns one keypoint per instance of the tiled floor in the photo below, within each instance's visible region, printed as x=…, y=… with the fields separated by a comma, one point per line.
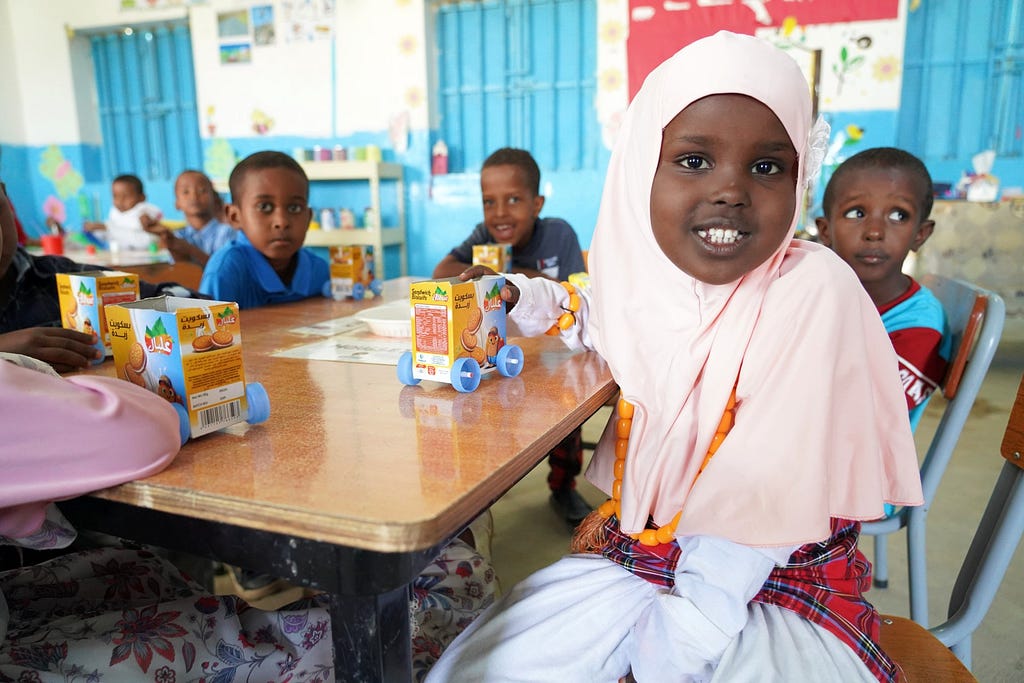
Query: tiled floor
x=528, y=534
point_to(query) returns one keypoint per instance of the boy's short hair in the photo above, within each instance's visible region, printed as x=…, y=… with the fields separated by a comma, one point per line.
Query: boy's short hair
x=132, y=180
x=510, y=156
x=883, y=157
x=259, y=161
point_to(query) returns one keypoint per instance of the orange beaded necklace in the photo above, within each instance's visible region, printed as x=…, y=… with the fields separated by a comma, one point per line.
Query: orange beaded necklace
x=589, y=535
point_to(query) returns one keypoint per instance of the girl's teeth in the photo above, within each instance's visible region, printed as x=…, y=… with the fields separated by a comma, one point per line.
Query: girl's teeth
x=719, y=235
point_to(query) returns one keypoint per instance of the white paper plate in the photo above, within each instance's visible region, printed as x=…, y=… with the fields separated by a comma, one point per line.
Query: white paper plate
x=389, y=320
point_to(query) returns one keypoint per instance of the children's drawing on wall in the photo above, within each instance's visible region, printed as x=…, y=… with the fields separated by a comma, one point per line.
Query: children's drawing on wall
x=158, y=4
x=845, y=65
x=211, y=125
x=308, y=20
x=66, y=181
x=263, y=25
x=233, y=24
x=235, y=53
x=219, y=159
x=261, y=123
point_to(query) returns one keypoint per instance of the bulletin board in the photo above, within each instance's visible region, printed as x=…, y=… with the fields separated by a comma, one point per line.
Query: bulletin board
x=657, y=30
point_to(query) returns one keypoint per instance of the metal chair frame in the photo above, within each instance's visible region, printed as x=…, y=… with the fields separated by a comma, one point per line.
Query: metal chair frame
x=983, y=569
x=976, y=317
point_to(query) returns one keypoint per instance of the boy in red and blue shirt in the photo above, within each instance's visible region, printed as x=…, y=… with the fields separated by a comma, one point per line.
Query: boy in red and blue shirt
x=876, y=208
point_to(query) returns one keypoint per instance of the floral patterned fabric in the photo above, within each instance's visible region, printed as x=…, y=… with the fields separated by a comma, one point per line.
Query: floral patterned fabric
x=116, y=614
x=447, y=596
x=122, y=614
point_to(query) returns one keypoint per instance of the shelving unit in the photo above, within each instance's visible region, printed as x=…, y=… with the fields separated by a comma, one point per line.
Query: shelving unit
x=372, y=172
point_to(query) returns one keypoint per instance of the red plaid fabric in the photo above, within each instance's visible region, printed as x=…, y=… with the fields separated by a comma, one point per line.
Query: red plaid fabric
x=823, y=582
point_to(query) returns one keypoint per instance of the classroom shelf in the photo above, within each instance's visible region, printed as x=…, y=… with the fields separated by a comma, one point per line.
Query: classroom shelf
x=372, y=172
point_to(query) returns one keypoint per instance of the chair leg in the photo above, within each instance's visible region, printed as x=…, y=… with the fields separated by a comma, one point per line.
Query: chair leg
x=962, y=650
x=881, y=573
x=917, y=566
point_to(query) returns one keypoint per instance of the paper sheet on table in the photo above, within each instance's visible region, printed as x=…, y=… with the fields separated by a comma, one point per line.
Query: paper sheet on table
x=347, y=339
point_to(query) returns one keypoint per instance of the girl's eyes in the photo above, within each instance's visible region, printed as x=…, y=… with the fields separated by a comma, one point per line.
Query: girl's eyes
x=695, y=162
x=766, y=167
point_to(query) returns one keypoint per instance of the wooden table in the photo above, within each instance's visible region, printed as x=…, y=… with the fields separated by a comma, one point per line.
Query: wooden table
x=355, y=482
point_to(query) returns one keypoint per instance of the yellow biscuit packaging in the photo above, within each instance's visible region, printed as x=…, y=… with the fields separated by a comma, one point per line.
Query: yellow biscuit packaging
x=497, y=257
x=84, y=296
x=189, y=351
x=458, y=333
x=352, y=272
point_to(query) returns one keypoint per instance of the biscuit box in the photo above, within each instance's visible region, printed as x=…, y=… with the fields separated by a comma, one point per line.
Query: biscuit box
x=351, y=266
x=83, y=296
x=497, y=257
x=452, y=319
x=188, y=351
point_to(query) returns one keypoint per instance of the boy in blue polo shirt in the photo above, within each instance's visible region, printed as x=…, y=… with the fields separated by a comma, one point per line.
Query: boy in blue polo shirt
x=266, y=263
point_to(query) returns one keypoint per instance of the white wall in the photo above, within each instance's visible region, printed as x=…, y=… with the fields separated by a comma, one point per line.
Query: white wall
x=379, y=70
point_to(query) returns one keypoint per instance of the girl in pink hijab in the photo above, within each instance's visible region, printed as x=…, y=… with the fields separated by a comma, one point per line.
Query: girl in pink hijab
x=761, y=416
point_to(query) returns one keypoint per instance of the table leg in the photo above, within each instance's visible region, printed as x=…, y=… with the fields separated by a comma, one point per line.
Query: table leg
x=372, y=639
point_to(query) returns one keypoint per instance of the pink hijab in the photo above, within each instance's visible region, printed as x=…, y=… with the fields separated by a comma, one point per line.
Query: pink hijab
x=821, y=425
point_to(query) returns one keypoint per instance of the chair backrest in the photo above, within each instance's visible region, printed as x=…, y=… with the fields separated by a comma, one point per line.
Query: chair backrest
x=994, y=543
x=976, y=317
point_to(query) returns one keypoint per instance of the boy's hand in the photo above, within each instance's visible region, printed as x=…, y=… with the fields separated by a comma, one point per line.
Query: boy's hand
x=64, y=349
x=509, y=293
x=152, y=225
x=93, y=226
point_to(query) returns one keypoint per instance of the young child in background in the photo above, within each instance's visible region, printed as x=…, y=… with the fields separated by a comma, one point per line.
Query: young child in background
x=117, y=613
x=266, y=263
x=30, y=322
x=876, y=207
x=728, y=548
x=510, y=188
x=547, y=247
x=205, y=230
x=130, y=218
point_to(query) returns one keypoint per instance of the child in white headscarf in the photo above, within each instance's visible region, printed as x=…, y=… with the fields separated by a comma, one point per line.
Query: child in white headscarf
x=761, y=415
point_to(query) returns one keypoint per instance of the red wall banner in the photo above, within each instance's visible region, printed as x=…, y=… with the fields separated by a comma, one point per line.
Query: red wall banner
x=659, y=28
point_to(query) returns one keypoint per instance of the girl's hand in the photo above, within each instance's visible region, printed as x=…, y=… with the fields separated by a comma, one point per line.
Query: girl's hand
x=509, y=293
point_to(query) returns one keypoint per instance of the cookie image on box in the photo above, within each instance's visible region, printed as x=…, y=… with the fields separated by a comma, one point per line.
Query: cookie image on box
x=476, y=316
x=222, y=339
x=136, y=358
x=468, y=339
x=202, y=343
x=135, y=377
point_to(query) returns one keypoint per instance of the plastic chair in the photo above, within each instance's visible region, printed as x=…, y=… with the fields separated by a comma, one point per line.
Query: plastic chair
x=921, y=653
x=976, y=318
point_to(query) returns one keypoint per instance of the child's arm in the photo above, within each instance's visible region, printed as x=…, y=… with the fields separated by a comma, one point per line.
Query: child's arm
x=535, y=304
x=65, y=437
x=64, y=349
x=449, y=266
x=922, y=367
